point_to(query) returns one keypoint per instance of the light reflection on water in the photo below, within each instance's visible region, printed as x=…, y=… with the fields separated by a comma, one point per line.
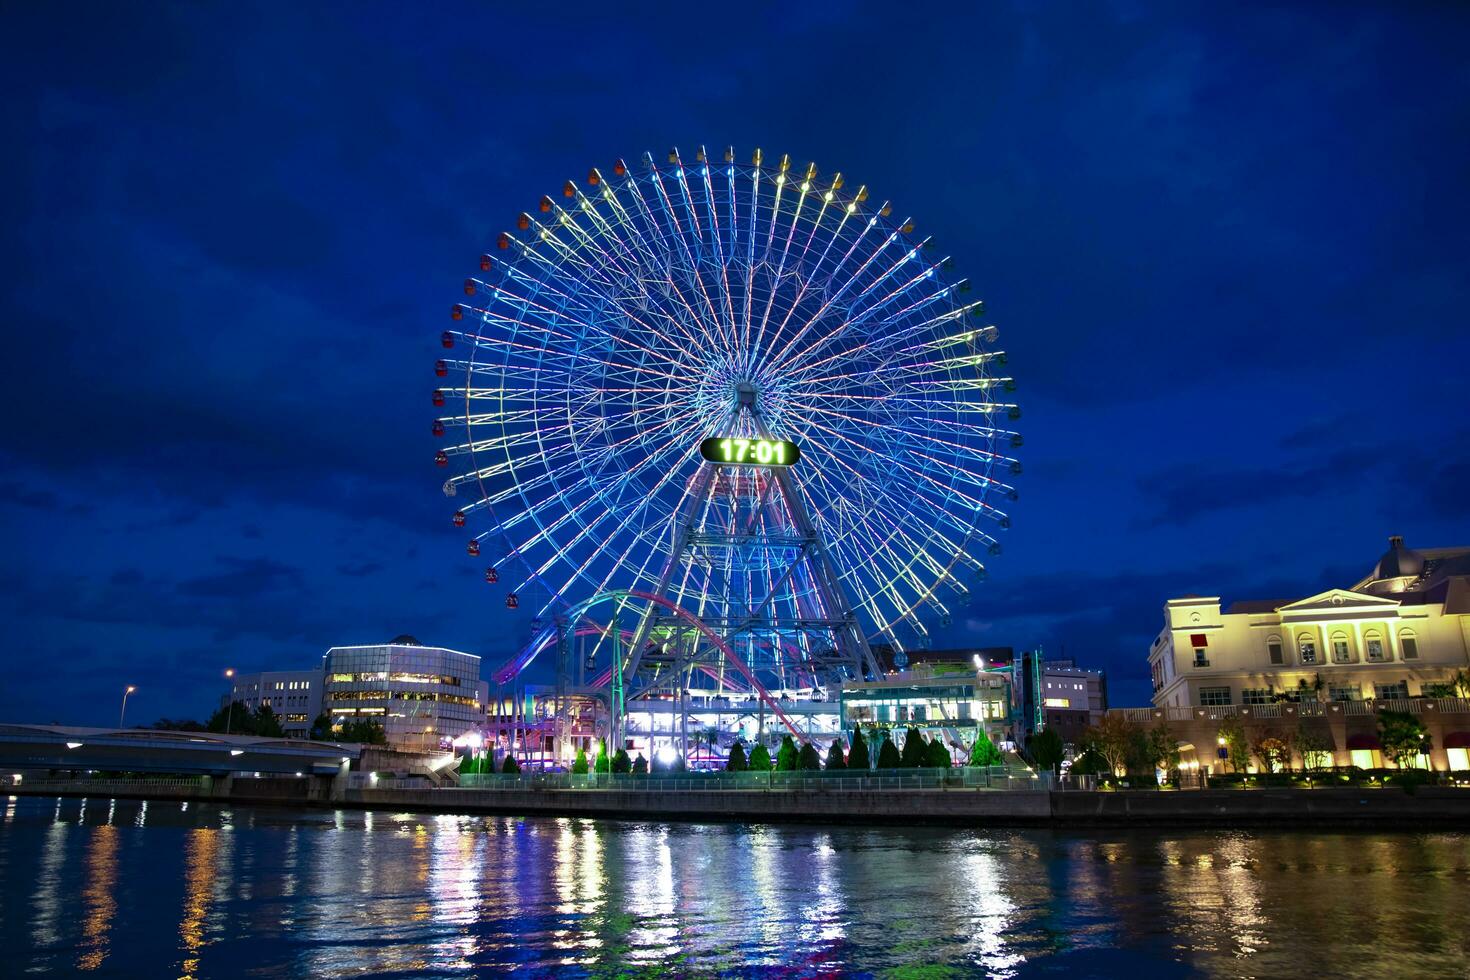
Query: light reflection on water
x=125, y=888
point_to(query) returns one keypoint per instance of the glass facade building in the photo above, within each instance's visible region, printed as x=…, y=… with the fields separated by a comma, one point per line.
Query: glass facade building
x=422, y=696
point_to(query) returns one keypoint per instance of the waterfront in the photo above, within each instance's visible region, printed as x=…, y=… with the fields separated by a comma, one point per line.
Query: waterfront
x=130, y=888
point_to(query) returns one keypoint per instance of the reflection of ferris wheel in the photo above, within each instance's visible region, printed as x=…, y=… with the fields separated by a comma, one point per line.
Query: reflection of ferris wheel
x=651, y=308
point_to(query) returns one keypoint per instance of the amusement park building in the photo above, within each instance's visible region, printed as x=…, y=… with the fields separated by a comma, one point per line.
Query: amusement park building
x=421, y=695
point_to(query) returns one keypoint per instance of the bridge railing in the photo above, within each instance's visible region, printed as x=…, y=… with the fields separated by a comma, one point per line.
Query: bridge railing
x=108, y=786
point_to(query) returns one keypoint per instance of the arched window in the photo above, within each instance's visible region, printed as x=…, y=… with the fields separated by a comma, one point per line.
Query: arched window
x=1409, y=644
x=1340, y=654
x=1306, y=646
x=1373, y=646
x=1273, y=651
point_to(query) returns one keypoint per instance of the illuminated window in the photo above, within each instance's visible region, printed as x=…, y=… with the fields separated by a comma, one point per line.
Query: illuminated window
x=1273, y=650
x=1255, y=695
x=1307, y=647
x=1214, y=696
x=1339, y=648
x=1344, y=693
x=1392, y=692
x=1373, y=644
x=1057, y=703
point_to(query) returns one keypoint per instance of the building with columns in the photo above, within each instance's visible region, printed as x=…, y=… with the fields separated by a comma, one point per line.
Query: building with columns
x=1398, y=638
x=1395, y=634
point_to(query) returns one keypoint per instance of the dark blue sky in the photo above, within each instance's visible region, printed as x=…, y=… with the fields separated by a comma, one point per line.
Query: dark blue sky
x=1228, y=248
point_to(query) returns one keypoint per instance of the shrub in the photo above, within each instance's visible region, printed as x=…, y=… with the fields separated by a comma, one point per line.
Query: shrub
x=786, y=756
x=640, y=765
x=1403, y=736
x=888, y=757
x=760, y=758
x=579, y=765
x=938, y=755
x=511, y=766
x=984, y=752
x=808, y=758
x=736, y=761
x=603, y=764
x=620, y=761
x=915, y=749
x=834, y=755
x=857, y=757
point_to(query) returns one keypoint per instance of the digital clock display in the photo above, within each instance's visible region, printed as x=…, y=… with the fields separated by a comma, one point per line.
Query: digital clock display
x=742, y=451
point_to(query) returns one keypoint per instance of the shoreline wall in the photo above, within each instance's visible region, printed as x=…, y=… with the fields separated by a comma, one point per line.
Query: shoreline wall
x=1382, y=809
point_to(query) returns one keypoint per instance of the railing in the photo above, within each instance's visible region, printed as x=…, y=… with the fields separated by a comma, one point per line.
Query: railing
x=969, y=777
x=1292, y=709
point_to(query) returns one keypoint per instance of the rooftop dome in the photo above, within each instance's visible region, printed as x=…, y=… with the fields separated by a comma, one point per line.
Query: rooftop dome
x=405, y=640
x=1398, y=561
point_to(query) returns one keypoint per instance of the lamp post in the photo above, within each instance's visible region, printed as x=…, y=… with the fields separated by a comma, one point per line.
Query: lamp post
x=126, y=691
x=229, y=699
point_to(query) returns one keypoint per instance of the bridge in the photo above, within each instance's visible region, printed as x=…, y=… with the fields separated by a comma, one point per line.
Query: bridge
x=141, y=750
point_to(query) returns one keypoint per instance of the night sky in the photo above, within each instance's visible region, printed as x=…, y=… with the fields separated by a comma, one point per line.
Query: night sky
x=1226, y=247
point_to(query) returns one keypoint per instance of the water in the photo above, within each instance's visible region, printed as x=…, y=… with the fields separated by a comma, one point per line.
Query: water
x=123, y=888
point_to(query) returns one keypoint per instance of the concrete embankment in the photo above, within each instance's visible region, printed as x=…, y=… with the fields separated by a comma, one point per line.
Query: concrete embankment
x=1440, y=807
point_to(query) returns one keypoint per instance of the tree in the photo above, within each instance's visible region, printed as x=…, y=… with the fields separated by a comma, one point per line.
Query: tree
x=984, y=752
x=938, y=755
x=620, y=761
x=915, y=749
x=267, y=722
x=834, y=755
x=177, y=725
x=321, y=728
x=760, y=758
x=786, y=755
x=1163, y=747
x=1314, y=743
x=1113, y=738
x=1230, y=733
x=1272, y=747
x=736, y=761
x=362, y=732
x=857, y=756
x=511, y=766
x=1403, y=737
x=709, y=737
x=235, y=719
x=640, y=765
x=808, y=759
x=602, y=763
x=579, y=764
x=888, y=757
x=1046, y=748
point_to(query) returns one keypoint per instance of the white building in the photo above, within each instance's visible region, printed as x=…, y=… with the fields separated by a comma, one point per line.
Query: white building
x=294, y=695
x=1399, y=633
x=421, y=695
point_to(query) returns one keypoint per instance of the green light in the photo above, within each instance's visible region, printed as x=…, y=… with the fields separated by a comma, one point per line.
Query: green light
x=741, y=451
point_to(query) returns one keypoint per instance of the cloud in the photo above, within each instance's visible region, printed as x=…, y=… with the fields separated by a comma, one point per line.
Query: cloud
x=246, y=578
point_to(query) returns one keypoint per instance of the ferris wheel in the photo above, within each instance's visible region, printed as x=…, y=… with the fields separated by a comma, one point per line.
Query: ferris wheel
x=684, y=377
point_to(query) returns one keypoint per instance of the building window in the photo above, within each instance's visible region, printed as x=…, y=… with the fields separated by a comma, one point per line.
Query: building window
x=1214, y=696
x=1273, y=650
x=1344, y=693
x=1200, y=660
x=1391, y=692
x=1374, y=644
x=1255, y=695
x=1409, y=645
x=1307, y=647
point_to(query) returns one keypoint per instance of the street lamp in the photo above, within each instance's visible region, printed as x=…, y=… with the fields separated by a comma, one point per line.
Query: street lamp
x=229, y=700
x=128, y=690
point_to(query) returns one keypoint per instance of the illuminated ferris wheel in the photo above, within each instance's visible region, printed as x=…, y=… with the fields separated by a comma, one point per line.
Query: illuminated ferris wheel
x=744, y=389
